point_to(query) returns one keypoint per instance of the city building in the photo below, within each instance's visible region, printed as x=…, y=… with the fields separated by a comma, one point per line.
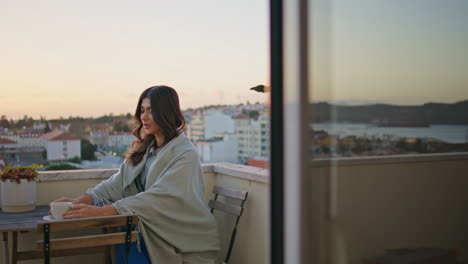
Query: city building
x=120, y=140
x=252, y=136
x=99, y=138
x=188, y=130
x=196, y=128
x=206, y=125
x=99, y=134
x=27, y=148
x=218, y=149
x=39, y=126
x=7, y=145
x=61, y=146
x=3, y=163
x=263, y=163
x=31, y=141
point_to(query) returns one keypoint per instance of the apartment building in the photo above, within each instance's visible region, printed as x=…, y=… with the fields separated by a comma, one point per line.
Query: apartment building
x=120, y=140
x=252, y=136
x=32, y=141
x=8, y=144
x=196, y=128
x=26, y=141
x=206, y=125
x=218, y=149
x=60, y=146
x=3, y=163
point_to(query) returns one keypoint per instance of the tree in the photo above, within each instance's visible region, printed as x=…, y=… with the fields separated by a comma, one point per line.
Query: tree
x=47, y=128
x=75, y=160
x=420, y=146
x=25, y=122
x=254, y=114
x=4, y=122
x=87, y=150
x=401, y=144
x=121, y=127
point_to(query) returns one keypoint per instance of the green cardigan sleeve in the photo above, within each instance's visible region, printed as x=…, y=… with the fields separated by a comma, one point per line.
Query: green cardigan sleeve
x=110, y=190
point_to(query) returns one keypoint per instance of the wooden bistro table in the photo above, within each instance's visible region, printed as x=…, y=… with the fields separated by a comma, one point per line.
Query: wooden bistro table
x=20, y=222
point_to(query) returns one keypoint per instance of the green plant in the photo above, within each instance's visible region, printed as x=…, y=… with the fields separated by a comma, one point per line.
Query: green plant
x=15, y=174
x=61, y=167
x=75, y=160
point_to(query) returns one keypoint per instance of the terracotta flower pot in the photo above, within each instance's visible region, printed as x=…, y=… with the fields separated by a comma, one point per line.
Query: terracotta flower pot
x=18, y=197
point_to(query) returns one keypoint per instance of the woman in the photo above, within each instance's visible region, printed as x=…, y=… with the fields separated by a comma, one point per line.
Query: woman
x=161, y=181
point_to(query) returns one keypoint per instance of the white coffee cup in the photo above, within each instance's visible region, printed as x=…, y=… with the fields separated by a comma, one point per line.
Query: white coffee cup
x=59, y=208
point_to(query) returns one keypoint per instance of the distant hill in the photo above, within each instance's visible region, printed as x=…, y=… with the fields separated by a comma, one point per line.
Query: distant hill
x=429, y=113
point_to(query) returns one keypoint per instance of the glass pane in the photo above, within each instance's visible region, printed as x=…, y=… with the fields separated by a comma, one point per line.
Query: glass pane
x=388, y=97
x=389, y=77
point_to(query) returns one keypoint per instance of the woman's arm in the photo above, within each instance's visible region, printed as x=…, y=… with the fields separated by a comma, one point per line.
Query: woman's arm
x=82, y=207
x=110, y=190
x=86, y=210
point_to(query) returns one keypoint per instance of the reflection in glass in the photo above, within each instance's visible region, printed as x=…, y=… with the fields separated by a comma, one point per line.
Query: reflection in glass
x=389, y=77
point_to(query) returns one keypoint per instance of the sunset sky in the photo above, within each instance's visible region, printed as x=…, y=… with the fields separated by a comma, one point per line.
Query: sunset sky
x=402, y=52
x=90, y=58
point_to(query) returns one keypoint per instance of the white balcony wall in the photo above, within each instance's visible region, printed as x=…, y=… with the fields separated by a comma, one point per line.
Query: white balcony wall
x=374, y=204
x=381, y=203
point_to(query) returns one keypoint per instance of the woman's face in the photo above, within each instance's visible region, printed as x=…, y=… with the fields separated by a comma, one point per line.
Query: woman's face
x=149, y=126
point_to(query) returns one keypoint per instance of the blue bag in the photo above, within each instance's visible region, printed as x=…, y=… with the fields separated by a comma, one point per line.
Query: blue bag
x=135, y=256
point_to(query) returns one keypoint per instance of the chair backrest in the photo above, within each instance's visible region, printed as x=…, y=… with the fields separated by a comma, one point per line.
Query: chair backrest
x=236, y=210
x=75, y=245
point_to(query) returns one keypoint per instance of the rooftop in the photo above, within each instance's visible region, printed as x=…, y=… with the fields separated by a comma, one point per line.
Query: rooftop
x=7, y=141
x=57, y=135
x=240, y=117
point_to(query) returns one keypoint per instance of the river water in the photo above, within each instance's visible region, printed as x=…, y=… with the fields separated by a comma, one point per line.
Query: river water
x=447, y=133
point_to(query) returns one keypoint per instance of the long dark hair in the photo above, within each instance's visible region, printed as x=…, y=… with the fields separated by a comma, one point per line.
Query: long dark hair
x=165, y=109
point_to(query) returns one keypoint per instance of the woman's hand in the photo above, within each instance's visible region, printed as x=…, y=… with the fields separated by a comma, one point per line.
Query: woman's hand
x=86, y=210
x=66, y=199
